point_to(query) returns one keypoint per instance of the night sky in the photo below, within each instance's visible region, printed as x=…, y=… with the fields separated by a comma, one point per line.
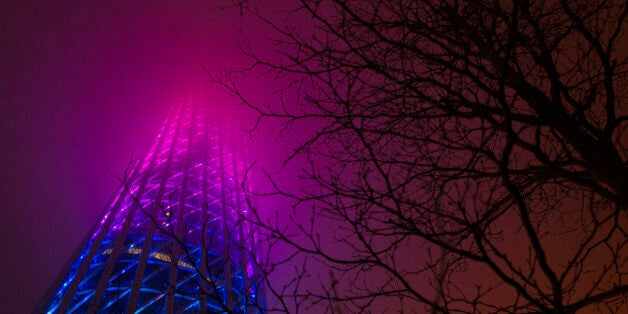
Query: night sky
x=84, y=86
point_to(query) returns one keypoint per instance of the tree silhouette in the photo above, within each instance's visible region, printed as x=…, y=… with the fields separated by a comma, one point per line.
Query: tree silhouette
x=468, y=156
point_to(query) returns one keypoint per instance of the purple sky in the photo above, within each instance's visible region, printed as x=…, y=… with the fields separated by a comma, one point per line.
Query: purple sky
x=84, y=87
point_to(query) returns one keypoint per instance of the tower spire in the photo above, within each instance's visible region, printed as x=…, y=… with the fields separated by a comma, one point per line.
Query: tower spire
x=171, y=239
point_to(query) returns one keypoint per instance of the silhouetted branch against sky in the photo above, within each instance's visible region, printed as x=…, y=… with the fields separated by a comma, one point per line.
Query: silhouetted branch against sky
x=454, y=156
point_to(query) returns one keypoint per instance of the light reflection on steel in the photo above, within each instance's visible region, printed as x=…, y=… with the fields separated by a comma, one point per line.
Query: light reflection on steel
x=172, y=238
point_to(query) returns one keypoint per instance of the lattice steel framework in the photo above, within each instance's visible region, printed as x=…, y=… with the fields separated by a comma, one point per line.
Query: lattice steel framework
x=172, y=238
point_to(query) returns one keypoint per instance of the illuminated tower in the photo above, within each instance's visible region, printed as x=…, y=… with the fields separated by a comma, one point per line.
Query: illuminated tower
x=171, y=239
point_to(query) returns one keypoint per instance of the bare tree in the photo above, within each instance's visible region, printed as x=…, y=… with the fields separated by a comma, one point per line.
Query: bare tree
x=468, y=155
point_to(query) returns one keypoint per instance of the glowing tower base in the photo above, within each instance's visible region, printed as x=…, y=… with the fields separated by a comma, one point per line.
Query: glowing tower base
x=171, y=240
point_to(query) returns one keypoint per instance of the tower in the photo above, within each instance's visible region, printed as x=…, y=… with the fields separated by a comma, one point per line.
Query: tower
x=172, y=238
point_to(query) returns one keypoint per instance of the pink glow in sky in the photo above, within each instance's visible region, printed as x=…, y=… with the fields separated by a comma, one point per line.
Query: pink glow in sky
x=85, y=87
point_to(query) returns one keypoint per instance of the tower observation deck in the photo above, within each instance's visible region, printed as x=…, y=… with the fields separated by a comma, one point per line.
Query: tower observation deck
x=171, y=239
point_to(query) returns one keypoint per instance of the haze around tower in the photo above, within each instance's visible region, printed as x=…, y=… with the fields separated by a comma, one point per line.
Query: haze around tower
x=85, y=86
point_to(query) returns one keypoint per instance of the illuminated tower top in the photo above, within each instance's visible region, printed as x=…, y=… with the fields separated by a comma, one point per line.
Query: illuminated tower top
x=172, y=238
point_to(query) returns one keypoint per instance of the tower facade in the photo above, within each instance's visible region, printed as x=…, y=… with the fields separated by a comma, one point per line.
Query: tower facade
x=172, y=238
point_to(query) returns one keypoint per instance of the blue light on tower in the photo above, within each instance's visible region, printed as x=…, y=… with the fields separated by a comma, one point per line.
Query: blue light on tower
x=172, y=238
